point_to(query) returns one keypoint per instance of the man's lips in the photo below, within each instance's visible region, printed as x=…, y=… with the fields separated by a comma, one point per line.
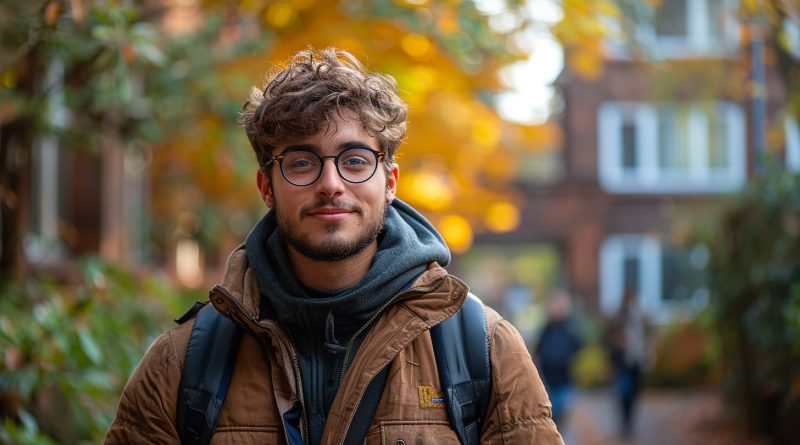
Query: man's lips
x=330, y=213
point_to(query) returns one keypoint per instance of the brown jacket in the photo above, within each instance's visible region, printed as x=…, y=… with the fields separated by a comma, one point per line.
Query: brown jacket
x=519, y=410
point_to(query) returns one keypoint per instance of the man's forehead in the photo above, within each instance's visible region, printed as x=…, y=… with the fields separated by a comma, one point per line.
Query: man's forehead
x=338, y=132
x=339, y=120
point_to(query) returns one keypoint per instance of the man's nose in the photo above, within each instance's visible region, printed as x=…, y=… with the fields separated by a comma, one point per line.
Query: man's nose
x=329, y=182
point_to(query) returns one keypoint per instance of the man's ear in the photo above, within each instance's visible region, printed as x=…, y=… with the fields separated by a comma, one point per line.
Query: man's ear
x=392, y=176
x=265, y=188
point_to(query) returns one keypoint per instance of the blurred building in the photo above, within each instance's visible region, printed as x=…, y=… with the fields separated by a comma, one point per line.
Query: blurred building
x=681, y=115
x=67, y=195
x=78, y=200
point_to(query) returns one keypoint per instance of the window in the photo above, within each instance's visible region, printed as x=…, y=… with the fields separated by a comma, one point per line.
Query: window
x=631, y=275
x=718, y=142
x=42, y=242
x=682, y=28
x=83, y=202
x=673, y=138
x=629, y=155
x=683, y=273
x=667, y=279
x=670, y=19
x=671, y=147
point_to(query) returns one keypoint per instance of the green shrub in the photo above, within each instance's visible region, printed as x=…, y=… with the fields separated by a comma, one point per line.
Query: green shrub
x=755, y=303
x=684, y=355
x=591, y=367
x=69, y=349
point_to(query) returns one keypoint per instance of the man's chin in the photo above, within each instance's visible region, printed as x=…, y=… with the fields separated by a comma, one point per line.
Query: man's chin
x=329, y=251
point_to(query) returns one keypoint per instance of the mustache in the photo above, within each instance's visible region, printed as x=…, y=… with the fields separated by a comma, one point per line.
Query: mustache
x=323, y=203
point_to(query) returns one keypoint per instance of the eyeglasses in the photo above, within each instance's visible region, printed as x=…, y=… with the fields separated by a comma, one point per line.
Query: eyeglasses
x=303, y=167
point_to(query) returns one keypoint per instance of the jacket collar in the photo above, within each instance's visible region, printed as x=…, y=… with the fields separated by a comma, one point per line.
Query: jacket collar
x=239, y=285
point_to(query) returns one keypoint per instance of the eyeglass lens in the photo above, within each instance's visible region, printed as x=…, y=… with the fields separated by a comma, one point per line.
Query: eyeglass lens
x=303, y=167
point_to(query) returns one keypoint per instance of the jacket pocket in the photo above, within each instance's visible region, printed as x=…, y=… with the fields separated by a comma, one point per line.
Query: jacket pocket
x=412, y=433
x=244, y=435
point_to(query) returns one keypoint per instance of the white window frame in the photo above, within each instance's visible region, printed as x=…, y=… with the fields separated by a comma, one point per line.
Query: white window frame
x=648, y=249
x=42, y=242
x=648, y=176
x=698, y=42
x=792, y=35
x=613, y=251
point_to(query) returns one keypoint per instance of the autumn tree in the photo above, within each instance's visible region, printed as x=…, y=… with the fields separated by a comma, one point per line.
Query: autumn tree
x=460, y=156
x=164, y=82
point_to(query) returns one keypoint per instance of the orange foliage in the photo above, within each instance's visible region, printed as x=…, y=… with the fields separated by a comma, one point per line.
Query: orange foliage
x=459, y=156
x=582, y=32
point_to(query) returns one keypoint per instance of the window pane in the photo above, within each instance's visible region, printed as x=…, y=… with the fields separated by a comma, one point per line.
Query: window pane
x=673, y=276
x=682, y=272
x=630, y=270
x=716, y=15
x=629, y=156
x=672, y=138
x=666, y=137
x=670, y=19
x=718, y=139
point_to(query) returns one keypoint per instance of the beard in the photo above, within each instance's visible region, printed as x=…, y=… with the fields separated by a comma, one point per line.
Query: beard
x=331, y=248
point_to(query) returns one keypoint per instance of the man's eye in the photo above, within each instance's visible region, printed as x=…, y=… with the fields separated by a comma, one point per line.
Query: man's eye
x=355, y=161
x=301, y=163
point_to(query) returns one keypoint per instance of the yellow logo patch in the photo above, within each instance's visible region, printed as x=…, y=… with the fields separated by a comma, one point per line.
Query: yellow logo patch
x=430, y=398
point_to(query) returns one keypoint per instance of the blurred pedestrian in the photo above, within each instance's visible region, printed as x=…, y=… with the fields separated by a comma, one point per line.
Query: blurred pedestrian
x=627, y=344
x=555, y=350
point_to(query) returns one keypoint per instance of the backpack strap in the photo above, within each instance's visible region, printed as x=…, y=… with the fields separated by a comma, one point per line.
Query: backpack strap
x=461, y=347
x=214, y=340
x=191, y=313
x=366, y=409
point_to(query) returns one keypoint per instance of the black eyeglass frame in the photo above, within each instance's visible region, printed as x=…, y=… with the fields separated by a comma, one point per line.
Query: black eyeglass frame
x=378, y=156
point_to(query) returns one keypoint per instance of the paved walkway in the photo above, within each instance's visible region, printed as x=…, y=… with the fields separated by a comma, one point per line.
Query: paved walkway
x=685, y=417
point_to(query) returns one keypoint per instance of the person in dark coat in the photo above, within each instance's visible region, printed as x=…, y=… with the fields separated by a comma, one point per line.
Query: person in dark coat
x=557, y=347
x=628, y=351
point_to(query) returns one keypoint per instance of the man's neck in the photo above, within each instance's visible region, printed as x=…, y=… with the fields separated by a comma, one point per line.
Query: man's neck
x=332, y=275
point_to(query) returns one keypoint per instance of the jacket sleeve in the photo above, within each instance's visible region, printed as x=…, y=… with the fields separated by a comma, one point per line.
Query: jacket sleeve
x=519, y=409
x=146, y=410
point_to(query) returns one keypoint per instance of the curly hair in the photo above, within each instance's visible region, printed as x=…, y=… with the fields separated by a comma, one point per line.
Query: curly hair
x=300, y=99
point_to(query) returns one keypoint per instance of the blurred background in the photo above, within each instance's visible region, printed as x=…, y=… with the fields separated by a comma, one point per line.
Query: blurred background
x=619, y=175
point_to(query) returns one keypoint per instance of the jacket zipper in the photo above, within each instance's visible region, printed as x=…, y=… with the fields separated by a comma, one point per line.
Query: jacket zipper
x=285, y=356
x=348, y=350
x=436, y=284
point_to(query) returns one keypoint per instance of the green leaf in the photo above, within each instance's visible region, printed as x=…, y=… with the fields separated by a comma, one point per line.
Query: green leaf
x=150, y=53
x=28, y=421
x=90, y=347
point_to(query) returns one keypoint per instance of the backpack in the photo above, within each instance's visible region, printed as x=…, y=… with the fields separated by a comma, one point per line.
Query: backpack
x=460, y=344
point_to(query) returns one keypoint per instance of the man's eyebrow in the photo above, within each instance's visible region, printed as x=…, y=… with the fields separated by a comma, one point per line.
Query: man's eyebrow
x=316, y=149
x=308, y=147
x=354, y=144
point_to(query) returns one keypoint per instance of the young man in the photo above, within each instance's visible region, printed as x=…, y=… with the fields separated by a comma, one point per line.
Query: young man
x=337, y=282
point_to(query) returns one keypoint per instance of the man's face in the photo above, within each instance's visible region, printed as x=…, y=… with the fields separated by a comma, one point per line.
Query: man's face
x=331, y=219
